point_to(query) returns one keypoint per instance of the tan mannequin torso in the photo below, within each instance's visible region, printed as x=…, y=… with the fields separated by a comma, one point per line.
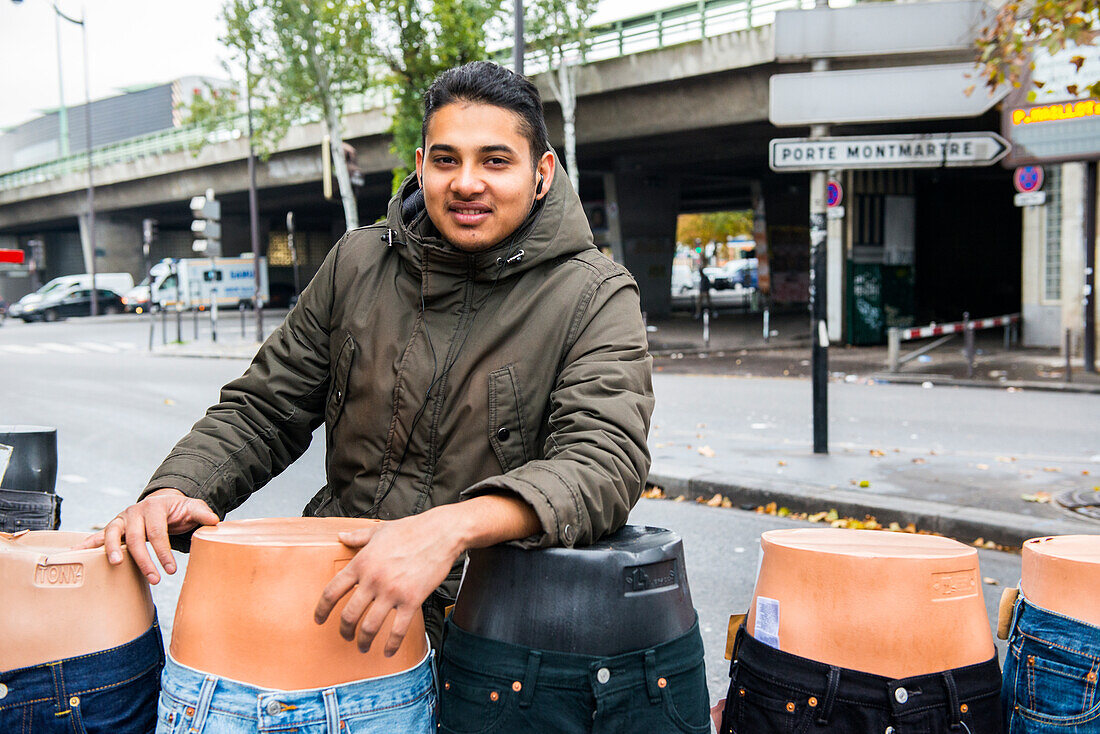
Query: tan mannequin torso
x=891, y=604
x=246, y=607
x=59, y=603
x=1062, y=574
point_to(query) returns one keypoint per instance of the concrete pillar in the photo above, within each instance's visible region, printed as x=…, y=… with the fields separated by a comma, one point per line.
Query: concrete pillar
x=836, y=260
x=787, y=203
x=119, y=240
x=646, y=206
x=1042, y=317
x=1073, y=251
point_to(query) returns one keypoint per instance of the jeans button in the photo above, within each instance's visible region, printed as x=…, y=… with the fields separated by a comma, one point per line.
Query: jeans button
x=273, y=707
x=603, y=675
x=901, y=695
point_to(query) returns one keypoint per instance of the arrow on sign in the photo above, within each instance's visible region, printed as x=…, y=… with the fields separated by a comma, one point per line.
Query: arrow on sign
x=887, y=151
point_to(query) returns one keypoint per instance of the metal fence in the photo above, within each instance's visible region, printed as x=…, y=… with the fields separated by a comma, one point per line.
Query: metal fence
x=669, y=26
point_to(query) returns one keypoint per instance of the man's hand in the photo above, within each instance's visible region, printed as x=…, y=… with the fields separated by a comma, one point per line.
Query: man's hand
x=401, y=562
x=164, y=512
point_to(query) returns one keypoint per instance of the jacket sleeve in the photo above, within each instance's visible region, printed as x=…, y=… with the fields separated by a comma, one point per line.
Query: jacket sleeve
x=595, y=456
x=265, y=419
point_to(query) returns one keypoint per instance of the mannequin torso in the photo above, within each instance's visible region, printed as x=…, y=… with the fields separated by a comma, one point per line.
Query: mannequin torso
x=60, y=603
x=1062, y=574
x=891, y=604
x=246, y=607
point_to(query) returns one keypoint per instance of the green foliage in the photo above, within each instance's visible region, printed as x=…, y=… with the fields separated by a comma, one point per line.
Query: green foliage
x=552, y=26
x=1006, y=44
x=712, y=226
x=416, y=41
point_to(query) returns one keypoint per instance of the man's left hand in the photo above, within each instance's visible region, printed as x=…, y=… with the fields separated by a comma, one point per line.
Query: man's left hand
x=399, y=563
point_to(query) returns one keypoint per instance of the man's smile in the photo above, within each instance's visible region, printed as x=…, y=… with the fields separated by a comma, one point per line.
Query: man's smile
x=469, y=213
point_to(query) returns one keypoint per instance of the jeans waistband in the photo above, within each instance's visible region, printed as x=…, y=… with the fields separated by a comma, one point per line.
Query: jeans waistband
x=273, y=708
x=900, y=695
x=83, y=673
x=1050, y=627
x=568, y=670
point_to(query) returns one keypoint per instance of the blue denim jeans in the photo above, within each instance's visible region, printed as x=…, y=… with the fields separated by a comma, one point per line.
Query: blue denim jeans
x=109, y=692
x=192, y=702
x=1050, y=673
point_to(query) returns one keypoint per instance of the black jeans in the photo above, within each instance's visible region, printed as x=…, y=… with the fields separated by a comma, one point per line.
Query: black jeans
x=773, y=692
x=490, y=686
x=21, y=510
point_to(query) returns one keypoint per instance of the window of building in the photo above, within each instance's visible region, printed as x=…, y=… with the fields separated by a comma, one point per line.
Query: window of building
x=1052, y=236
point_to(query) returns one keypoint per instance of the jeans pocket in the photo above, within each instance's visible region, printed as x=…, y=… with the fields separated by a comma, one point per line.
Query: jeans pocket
x=470, y=703
x=1056, y=686
x=755, y=712
x=686, y=700
x=128, y=708
x=172, y=714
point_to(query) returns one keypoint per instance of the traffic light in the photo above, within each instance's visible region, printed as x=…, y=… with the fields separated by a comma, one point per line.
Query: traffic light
x=207, y=225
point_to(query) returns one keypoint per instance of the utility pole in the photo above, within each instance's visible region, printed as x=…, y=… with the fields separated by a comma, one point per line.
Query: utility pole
x=253, y=213
x=819, y=334
x=1089, y=351
x=517, y=48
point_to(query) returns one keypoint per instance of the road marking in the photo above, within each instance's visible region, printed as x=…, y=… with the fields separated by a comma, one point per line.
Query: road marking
x=123, y=345
x=62, y=348
x=96, y=347
x=19, y=349
x=73, y=479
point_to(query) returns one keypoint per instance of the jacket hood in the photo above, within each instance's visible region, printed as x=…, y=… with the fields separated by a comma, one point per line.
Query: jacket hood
x=556, y=227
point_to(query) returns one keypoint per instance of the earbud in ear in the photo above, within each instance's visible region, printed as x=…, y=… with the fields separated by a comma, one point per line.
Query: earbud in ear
x=538, y=189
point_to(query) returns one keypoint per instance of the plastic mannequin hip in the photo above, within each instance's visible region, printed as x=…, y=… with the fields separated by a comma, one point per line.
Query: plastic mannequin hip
x=562, y=599
x=61, y=603
x=245, y=611
x=1062, y=575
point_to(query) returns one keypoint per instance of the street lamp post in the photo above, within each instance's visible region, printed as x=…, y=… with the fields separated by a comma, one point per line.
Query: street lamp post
x=63, y=124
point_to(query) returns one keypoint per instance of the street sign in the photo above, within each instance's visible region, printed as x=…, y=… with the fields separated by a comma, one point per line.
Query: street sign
x=14, y=257
x=886, y=151
x=835, y=212
x=1028, y=178
x=1056, y=121
x=1030, y=198
x=834, y=193
x=894, y=94
x=877, y=29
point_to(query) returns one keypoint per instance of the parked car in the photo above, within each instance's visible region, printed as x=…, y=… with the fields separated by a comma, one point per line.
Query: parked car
x=736, y=274
x=116, y=282
x=76, y=302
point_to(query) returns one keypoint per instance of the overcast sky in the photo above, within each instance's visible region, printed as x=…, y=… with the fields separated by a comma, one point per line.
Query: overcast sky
x=130, y=43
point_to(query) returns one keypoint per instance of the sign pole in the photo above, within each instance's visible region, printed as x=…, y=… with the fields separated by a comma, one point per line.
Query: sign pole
x=819, y=358
x=1090, y=267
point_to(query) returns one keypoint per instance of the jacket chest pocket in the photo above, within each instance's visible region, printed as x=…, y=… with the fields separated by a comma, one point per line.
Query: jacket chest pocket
x=341, y=373
x=507, y=429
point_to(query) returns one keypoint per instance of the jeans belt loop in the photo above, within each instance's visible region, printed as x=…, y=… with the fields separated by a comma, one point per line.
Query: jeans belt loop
x=530, y=678
x=736, y=648
x=832, y=687
x=1016, y=609
x=955, y=716
x=206, y=693
x=651, y=676
x=332, y=711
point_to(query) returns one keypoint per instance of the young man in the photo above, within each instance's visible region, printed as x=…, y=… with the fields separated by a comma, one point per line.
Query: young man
x=480, y=368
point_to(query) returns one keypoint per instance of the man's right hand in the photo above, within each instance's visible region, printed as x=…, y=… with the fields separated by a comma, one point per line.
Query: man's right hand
x=164, y=512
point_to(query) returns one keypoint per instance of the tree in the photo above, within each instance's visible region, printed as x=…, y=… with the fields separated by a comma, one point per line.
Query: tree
x=713, y=226
x=416, y=40
x=301, y=60
x=1020, y=26
x=559, y=30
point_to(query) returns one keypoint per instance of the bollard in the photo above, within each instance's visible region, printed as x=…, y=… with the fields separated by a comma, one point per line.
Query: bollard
x=893, y=348
x=195, y=318
x=1069, y=356
x=164, y=325
x=706, y=328
x=767, y=325
x=179, y=323
x=152, y=325
x=240, y=307
x=968, y=349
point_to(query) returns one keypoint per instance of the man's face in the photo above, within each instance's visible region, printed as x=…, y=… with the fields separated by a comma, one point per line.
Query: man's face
x=477, y=175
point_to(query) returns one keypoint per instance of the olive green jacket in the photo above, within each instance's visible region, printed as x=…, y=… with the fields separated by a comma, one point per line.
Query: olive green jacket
x=442, y=375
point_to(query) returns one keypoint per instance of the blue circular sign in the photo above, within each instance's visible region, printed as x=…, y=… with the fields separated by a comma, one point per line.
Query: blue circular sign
x=1028, y=179
x=834, y=194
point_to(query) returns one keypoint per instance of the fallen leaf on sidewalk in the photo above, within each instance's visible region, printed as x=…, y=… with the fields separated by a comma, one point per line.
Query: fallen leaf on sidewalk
x=681, y=498
x=654, y=493
x=1006, y=459
x=876, y=452
x=1041, y=497
x=864, y=484
x=169, y=401
x=990, y=581
x=715, y=501
x=707, y=451
x=1052, y=469
x=982, y=467
x=782, y=463
x=919, y=460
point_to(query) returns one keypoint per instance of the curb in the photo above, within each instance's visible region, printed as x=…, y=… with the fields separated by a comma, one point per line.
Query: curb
x=243, y=354
x=954, y=521
x=917, y=379
x=735, y=349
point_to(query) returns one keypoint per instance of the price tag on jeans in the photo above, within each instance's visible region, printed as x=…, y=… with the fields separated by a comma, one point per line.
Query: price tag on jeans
x=767, y=621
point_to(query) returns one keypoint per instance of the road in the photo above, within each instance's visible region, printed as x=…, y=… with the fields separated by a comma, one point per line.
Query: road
x=118, y=411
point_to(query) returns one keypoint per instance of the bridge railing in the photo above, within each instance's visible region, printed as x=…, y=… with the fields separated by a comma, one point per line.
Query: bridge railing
x=666, y=27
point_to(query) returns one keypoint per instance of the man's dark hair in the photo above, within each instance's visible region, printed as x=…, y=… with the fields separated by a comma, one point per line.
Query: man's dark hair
x=483, y=82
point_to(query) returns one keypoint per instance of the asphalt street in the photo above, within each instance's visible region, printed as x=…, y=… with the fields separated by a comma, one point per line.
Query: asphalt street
x=118, y=411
